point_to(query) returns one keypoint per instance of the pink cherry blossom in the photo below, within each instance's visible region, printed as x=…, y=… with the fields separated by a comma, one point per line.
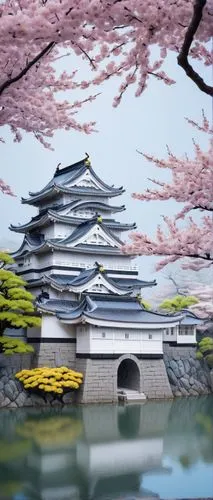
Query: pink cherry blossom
x=191, y=184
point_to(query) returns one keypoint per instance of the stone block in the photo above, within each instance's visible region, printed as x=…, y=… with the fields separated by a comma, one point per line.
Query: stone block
x=9, y=392
x=67, y=398
x=181, y=367
x=183, y=391
x=187, y=366
x=175, y=368
x=185, y=383
x=6, y=402
x=20, y=400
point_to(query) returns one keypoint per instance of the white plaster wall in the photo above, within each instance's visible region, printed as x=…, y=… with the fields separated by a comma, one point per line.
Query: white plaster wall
x=117, y=341
x=170, y=334
x=188, y=338
x=51, y=327
x=83, y=339
x=34, y=332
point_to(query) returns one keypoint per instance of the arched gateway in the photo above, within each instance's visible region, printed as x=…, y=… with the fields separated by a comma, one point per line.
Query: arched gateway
x=128, y=375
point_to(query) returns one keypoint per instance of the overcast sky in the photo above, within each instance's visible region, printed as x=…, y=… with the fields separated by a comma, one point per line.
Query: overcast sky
x=147, y=123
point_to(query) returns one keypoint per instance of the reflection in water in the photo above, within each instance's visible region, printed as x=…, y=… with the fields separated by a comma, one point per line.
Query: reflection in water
x=103, y=452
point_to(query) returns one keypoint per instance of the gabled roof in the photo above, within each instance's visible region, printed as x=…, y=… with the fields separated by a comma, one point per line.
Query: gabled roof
x=68, y=176
x=96, y=280
x=85, y=227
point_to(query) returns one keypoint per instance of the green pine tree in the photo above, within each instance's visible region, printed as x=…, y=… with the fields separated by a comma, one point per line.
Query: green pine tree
x=178, y=303
x=17, y=308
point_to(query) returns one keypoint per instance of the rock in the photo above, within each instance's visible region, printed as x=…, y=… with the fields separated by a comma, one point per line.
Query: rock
x=68, y=397
x=37, y=400
x=204, y=379
x=193, y=370
x=9, y=392
x=187, y=366
x=176, y=357
x=185, y=383
x=183, y=391
x=191, y=380
x=1, y=385
x=20, y=400
x=192, y=392
x=6, y=402
x=2, y=398
x=49, y=398
x=56, y=402
x=192, y=361
x=174, y=367
x=13, y=404
x=177, y=394
x=181, y=368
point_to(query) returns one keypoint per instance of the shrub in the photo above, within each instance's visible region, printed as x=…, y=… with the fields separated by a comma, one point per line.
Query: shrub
x=205, y=350
x=9, y=345
x=55, y=380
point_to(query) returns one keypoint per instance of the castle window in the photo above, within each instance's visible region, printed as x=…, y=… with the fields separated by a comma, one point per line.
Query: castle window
x=150, y=336
x=126, y=335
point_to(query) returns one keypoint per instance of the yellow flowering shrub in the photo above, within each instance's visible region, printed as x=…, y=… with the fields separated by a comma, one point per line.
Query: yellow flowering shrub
x=55, y=380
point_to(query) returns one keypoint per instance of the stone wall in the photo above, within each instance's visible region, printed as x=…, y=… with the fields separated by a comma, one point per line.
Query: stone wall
x=100, y=379
x=187, y=375
x=54, y=353
x=100, y=382
x=155, y=382
x=12, y=393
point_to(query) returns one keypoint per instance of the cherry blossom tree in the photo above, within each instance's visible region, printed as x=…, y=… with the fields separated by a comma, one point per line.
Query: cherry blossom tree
x=192, y=182
x=204, y=293
x=115, y=37
x=35, y=33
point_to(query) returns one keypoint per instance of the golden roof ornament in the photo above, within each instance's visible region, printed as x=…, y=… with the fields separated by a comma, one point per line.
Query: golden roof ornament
x=87, y=161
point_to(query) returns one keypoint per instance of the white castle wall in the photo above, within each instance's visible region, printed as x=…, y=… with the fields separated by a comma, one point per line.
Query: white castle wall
x=52, y=328
x=116, y=341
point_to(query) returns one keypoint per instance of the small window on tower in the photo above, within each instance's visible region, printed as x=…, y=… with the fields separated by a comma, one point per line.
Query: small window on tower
x=103, y=335
x=150, y=336
x=126, y=335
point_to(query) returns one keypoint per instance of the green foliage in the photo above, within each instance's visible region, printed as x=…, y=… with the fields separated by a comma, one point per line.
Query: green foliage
x=17, y=308
x=143, y=302
x=178, y=303
x=146, y=305
x=199, y=355
x=205, y=350
x=9, y=345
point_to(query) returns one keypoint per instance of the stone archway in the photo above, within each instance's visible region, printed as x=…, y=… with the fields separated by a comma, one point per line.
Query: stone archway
x=128, y=375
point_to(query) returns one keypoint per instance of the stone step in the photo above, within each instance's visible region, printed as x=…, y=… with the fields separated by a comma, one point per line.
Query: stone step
x=130, y=396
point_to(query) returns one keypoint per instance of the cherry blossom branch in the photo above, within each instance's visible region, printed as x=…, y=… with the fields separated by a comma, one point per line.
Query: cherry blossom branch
x=188, y=40
x=28, y=66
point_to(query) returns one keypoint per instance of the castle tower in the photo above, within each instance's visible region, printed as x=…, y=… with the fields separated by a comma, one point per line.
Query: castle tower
x=88, y=290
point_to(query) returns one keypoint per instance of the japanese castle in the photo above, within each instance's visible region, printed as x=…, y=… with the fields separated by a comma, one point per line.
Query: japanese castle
x=88, y=290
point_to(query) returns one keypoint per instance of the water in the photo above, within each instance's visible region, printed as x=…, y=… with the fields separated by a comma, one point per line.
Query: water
x=106, y=452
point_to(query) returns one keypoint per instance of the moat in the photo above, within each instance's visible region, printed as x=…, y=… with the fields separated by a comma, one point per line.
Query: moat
x=108, y=452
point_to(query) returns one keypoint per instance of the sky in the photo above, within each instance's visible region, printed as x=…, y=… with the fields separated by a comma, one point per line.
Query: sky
x=147, y=123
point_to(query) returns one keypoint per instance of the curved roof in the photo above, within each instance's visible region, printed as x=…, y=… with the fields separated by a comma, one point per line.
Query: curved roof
x=122, y=311
x=60, y=180
x=87, y=278
x=53, y=215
